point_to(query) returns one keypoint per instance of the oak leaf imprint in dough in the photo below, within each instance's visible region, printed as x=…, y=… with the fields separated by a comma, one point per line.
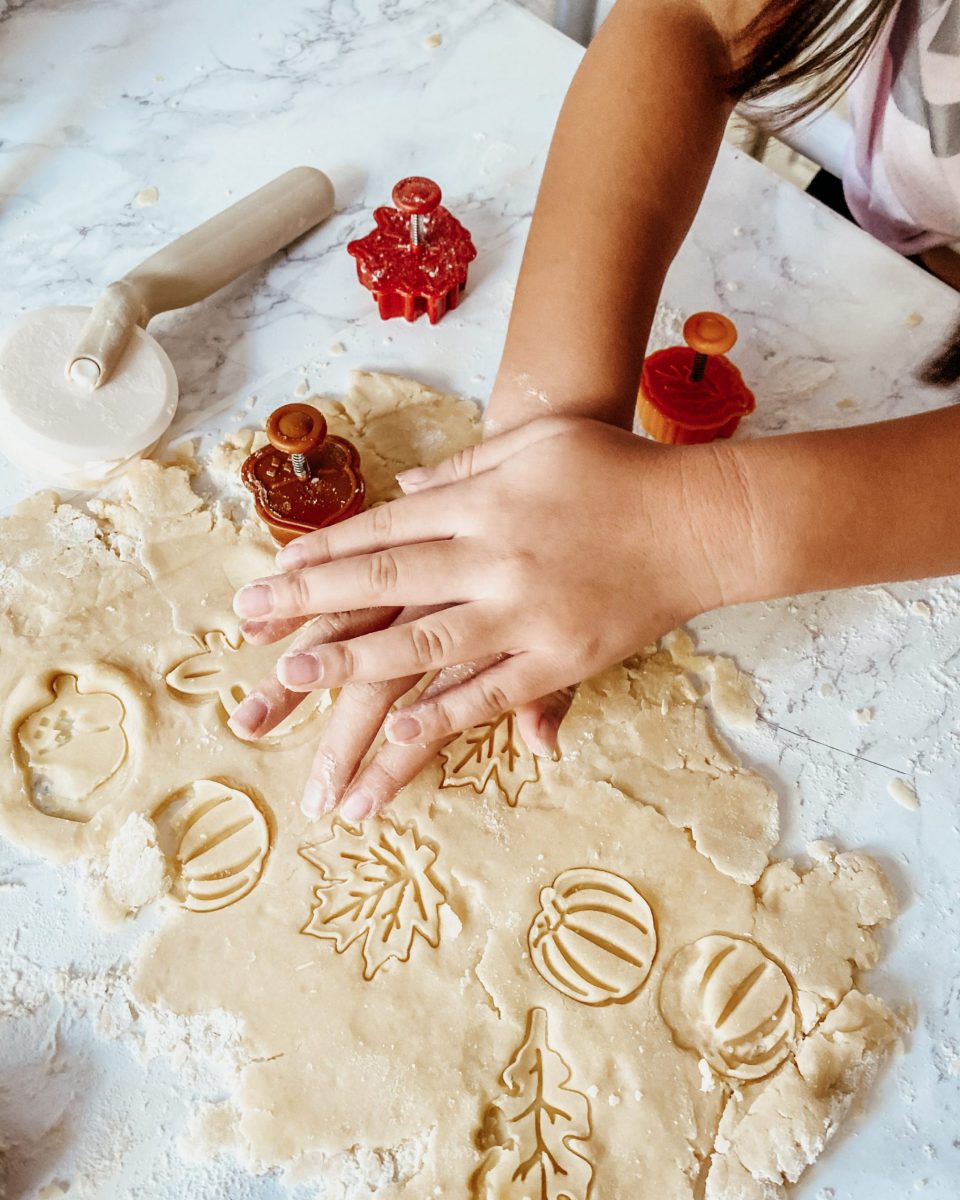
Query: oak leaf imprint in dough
x=594, y=938
x=216, y=839
x=494, y=751
x=527, y=1132
x=378, y=888
x=227, y=671
x=71, y=747
x=725, y=999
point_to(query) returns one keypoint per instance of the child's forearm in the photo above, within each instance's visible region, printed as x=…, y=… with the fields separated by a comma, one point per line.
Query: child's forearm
x=842, y=507
x=630, y=158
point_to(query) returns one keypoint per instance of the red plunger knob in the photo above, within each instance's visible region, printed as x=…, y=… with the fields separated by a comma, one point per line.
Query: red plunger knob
x=416, y=195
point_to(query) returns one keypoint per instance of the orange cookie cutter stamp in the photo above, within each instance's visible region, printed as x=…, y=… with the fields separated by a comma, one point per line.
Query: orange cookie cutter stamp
x=692, y=394
x=304, y=478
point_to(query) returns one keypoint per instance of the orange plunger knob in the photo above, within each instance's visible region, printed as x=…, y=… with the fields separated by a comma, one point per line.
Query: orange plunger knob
x=296, y=429
x=707, y=334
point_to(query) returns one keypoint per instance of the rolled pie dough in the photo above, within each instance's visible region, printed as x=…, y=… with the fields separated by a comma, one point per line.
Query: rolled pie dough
x=526, y=979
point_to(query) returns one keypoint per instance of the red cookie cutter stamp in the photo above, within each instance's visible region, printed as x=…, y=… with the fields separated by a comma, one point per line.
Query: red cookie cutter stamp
x=303, y=479
x=416, y=259
x=691, y=394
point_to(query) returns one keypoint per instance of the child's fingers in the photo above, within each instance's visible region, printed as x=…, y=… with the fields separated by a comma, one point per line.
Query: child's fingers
x=515, y=681
x=271, y=702
x=265, y=633
x=474, y=460
x=539, y=721
x=263, y=709
x=396, y=523
x=354, y=724
x=432, y=573
x=393, y=767
x=443, y=638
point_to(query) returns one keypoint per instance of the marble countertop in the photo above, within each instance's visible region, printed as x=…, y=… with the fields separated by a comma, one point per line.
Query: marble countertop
x=204, y=102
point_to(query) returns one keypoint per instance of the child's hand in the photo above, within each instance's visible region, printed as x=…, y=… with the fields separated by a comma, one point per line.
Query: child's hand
x=549, y=553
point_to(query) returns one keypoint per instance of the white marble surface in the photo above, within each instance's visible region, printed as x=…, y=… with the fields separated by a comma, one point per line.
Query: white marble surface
x=103, y=98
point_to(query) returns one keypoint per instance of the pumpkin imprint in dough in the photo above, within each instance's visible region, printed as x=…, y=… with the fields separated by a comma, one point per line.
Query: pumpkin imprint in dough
x=378, y=888
x=529, y=1131
x=725, y=999
x=594, y=938
x=494, y=751
x=216, y=839
x=70, y=748
x=226, y=672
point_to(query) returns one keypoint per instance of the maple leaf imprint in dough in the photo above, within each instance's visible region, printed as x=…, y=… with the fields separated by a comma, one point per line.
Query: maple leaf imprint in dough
x=528, y=1131
x=494, y=751
x=378, y=888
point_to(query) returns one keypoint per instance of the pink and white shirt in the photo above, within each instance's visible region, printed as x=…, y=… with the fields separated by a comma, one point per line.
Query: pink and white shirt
x=902, y=174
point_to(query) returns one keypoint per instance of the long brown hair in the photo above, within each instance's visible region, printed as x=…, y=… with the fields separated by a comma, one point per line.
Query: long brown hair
x=807, y=48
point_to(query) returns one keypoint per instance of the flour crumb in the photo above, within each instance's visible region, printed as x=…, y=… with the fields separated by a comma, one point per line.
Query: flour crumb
x=137, y=872
x=302, y=388
x=826, y=690
x=863, y=716
x=922, y=609
x=903, y=793
x=433, y=40
x=147, y=196
x=912, y=320
x=337, y=349
x=708, y=1081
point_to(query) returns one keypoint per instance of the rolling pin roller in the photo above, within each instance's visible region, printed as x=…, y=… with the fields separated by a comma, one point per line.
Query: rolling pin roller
x=84, y=391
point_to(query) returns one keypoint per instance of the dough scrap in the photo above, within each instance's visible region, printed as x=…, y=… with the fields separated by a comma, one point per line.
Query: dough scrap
x=376, y=986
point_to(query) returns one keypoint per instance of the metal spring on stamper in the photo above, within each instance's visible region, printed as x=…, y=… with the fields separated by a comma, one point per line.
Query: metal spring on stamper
x=299, y=464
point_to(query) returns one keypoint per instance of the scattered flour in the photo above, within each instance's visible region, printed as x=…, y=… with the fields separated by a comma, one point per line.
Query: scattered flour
x=433, y=40
x=863, y=716
x=137, y=872
x=147, y=196
x=788, y=376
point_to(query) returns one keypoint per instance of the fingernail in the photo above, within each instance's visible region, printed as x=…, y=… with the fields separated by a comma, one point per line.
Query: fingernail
x=357, y=806
x=251, y=629
x=248, y=716
x=291, y=557
x=299, y=668
x=401, y=730
x=546, y=738
x=318, y=799
x=254, y=600
x=411, y=480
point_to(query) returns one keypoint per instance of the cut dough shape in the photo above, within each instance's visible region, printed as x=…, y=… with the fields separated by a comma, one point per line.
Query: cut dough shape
x=390, y=1009
x=71, y=746
x=226, y=672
